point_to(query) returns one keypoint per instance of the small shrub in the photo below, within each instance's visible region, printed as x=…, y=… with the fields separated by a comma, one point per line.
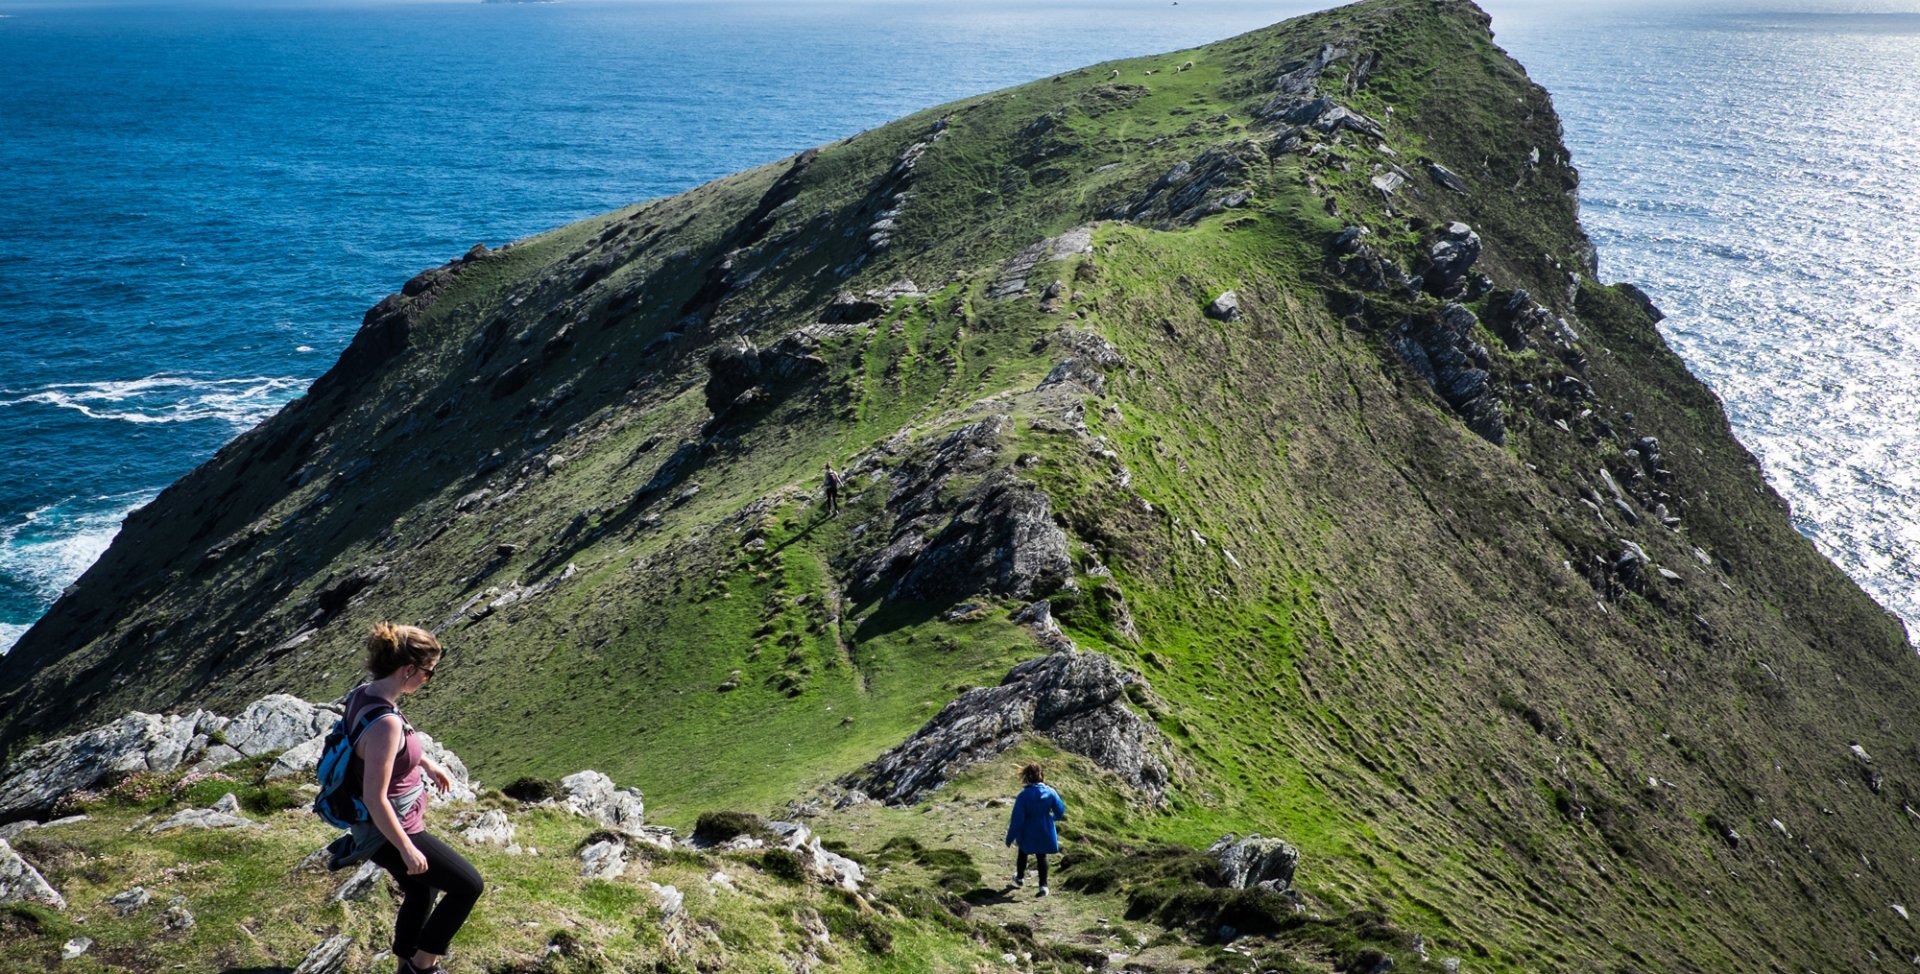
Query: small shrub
x=868, y=928
x=717, y=827
x=531, y=790
x=784, y=864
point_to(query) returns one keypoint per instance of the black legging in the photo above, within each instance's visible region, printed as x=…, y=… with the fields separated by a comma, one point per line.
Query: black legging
x=448, y=872
x=1020, y=866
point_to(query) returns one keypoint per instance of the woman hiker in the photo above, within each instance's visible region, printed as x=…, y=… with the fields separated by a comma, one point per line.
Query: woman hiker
x=402, y=659
x=1034, y=811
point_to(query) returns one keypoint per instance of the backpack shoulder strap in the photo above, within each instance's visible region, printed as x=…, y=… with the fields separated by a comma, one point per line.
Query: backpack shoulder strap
x=367, y=717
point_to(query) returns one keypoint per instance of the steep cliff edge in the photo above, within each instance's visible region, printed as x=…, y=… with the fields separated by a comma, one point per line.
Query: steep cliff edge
x=1277, y=368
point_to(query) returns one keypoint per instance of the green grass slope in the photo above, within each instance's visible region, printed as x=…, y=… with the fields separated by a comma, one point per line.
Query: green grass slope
x=1421, y=655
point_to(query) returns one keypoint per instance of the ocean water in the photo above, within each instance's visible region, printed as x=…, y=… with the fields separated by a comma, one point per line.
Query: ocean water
x=1756, y=169
x=200, y=201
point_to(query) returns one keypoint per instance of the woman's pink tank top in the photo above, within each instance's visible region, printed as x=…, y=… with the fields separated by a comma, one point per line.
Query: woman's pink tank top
x=406, y=763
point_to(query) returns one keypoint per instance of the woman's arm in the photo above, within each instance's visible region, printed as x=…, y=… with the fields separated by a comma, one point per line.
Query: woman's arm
x=437, y=774
x=378, y=745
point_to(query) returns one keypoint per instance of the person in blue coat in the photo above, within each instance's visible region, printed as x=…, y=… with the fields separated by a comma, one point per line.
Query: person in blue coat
x=1034, y=811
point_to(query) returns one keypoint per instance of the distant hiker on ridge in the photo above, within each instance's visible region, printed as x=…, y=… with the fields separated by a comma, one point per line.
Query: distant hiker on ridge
x=402, y=659
x=1034, y=811
x=832, y=483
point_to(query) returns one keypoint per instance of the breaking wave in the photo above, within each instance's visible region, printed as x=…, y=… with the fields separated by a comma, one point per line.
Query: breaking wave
x=167, y=397
x=48, y=548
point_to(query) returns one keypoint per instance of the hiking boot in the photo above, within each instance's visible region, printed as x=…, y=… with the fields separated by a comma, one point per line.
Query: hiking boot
x=1019, y=881
x=1043, y=892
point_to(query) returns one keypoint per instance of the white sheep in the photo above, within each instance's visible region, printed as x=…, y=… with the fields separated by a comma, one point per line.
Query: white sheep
x=1186, y=67
x=1115, y=74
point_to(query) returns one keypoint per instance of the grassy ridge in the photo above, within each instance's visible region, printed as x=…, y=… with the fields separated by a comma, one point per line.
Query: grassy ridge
x=1395, y=643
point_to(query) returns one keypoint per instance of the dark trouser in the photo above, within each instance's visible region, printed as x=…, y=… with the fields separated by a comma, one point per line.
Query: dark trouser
x=1020, y=866
x=421, y=925
x=833, y=501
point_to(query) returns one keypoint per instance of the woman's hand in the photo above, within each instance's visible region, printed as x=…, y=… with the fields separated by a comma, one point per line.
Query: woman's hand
x=438, y=775
x=416, y=863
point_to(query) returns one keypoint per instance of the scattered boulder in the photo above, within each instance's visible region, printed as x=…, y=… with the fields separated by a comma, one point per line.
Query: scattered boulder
x=1255, y=861
x=671, y=901
x=228, y=804
x=1226, y=307
x=178, y=918
x=12, y=829
x=329, y=956
x=1446, y=177
x=129, y=902
x=591, y=794
x=490, y=827
x=204, y=818
x=606, y=859
x=1075, y=699
x=75, y=947
x=359, y=886
x=19, y=881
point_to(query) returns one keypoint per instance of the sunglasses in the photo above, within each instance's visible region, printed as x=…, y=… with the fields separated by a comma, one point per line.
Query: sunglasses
x=428, y=670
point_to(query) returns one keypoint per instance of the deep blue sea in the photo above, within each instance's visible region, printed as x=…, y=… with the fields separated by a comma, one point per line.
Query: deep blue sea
x=198, y=202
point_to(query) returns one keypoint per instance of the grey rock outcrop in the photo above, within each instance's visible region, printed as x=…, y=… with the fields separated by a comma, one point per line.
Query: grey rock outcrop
x=593, y=795
x=278, y=722
x=830, y=867
x=1255, y=861
x=31, y=785
x=1074, y=699
x=1002, y=540
x=1442, y=349
x=998, y=537
x=1451, y=255
x=1013, y=277
x=12, y=830
x=1357, y=262
x=19, y=881
x=329, y=956
x=136, y=742
x=734, y=370
x=1207, y=184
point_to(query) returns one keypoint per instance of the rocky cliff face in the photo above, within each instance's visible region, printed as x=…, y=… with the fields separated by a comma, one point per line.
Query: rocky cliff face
x=1277, y=367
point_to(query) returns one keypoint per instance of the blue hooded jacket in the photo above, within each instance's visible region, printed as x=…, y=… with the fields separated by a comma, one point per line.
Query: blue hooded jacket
x=1034, y=812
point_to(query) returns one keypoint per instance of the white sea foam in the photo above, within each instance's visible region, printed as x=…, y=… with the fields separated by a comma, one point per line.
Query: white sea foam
x=55, y=544
x=169, y=397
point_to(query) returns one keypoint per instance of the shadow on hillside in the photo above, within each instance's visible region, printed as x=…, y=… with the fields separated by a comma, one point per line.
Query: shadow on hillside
x=892, y=616
x=988, y=896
